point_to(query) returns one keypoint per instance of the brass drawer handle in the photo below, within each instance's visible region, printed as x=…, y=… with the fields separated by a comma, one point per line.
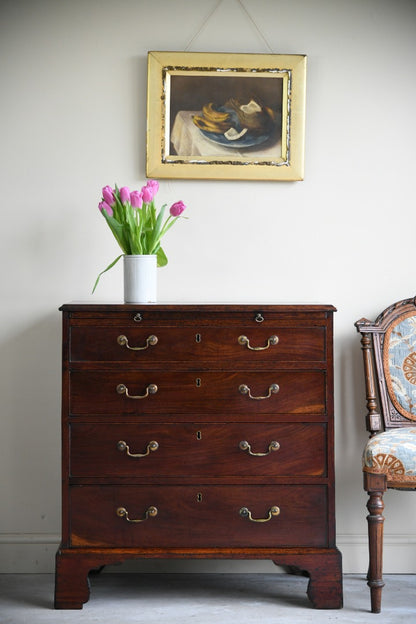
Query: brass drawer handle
x=151, y=512
x=122, y=389
x=123, y=446
x=243, y=340
x=244, y=389
x=150, y=342
x=246, y=513
x=245, y=446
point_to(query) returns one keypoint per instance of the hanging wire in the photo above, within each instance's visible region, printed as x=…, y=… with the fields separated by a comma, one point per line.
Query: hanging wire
x=255, y=25
x=246, y=12
x=204, y=23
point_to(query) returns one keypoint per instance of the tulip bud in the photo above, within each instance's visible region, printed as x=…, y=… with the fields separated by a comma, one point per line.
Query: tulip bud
x=104, y=206
x=124, y=194
x=147, y=194
x=136, y=199
x=153, y=185
x=108, y=195
x=177, y=208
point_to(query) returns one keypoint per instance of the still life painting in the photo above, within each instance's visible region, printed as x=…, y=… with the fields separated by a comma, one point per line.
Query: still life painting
x=225, y=116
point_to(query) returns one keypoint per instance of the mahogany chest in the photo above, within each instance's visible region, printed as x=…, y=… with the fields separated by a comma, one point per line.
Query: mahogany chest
x=200, y=431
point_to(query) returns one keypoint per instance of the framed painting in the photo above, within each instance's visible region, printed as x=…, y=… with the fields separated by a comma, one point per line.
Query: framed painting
x=225, y=116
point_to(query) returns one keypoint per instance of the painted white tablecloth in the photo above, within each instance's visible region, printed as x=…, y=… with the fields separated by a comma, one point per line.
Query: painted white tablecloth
x=188, y=141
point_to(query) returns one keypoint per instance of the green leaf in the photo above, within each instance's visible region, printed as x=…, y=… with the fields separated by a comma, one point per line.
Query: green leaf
x=162, y=259
x=107, y=269
x=118, y=231
x=155, y=234
x=130, y=230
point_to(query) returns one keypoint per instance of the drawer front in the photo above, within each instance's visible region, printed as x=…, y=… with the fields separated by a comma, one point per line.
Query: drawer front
x=200, y=516
x=120, y=393
x=245, y=345
x=198, y=450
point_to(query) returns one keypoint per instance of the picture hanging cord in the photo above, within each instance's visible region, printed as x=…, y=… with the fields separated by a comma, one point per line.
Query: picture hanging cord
x=244, y=9
x=255, y=25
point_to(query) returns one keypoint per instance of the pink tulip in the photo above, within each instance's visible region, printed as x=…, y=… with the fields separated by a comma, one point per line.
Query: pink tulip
x=104, y=206
x=154, y=185
x=108, y=195
x=124, y=194
x=177, y=208
x=136, y=199
x=147, y=194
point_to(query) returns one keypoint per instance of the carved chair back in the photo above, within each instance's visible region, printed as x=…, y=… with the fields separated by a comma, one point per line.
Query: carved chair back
x=389, y=350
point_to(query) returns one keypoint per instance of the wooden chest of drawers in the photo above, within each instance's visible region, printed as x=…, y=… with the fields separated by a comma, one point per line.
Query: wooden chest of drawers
x=200, y=431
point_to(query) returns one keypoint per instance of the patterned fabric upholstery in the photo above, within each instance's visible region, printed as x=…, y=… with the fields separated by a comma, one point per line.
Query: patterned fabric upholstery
x=400, y=365
x=393, y=453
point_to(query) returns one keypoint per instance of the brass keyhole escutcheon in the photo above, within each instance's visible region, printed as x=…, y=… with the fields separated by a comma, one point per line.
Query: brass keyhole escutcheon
x=199, y=497
x=199, y=435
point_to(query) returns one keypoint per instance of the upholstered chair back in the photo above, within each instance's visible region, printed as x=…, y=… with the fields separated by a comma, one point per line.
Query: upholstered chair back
x=399, y=363
x=389, y=346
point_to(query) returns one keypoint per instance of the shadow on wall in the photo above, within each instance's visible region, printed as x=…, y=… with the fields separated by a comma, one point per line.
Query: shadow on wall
x=30, y=396
x=350, y=431
x=350, y=421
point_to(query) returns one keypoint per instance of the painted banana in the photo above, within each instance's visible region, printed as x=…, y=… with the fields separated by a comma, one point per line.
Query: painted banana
x=212, y=114
x=212, y=120
x=210, y=126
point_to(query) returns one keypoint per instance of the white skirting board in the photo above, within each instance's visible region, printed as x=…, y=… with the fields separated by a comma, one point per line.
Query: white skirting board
x=35, y=553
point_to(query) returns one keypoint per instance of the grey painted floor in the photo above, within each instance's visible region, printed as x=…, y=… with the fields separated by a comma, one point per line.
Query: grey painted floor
x=201, y=599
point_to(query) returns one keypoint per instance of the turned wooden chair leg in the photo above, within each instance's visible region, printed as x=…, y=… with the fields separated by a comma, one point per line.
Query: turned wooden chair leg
x=375, y=521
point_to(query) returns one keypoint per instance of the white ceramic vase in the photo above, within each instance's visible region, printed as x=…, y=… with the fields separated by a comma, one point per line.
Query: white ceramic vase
x=140, y=278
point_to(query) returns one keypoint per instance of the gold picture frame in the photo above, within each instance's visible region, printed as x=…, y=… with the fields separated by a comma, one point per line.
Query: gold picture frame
x=225, y=116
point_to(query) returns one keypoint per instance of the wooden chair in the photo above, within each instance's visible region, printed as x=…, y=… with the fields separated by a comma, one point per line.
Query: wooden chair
x=389, y=458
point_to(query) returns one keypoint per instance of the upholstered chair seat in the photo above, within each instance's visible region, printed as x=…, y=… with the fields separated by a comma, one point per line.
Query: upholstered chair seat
x=393, y=454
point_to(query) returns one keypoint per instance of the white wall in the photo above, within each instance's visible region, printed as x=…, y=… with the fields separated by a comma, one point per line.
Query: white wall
x=73, y=117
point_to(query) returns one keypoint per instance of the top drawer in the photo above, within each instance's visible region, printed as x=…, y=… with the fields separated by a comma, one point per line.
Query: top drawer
x=245, y=344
